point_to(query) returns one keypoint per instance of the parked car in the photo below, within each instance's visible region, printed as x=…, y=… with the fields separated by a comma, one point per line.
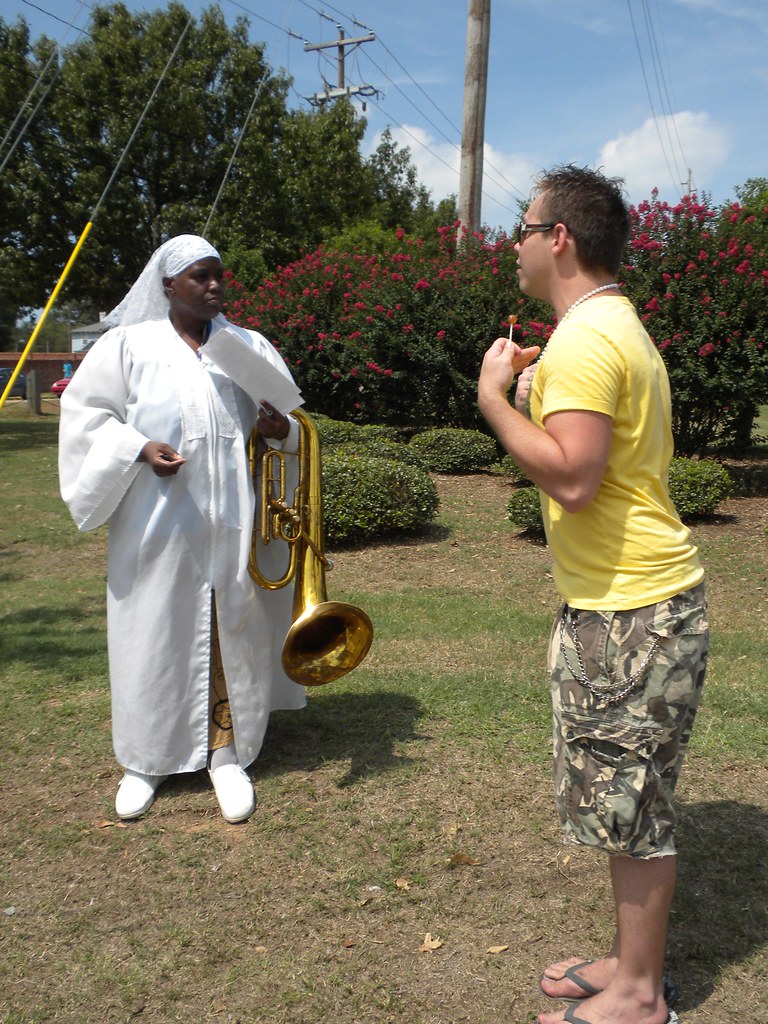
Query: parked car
x=58, y=386
x=19, y=389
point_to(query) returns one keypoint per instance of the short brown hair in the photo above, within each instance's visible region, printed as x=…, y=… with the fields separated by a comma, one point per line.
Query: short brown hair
x=594, y=210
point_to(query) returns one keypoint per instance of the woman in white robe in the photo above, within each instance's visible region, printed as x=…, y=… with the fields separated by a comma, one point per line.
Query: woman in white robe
x=153, y=441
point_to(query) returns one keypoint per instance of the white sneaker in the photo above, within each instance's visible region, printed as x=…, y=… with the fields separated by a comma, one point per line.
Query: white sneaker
x=234, y=791
x=136, y=794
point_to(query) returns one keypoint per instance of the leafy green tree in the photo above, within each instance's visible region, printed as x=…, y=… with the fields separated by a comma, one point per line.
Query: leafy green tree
x=180, y=152
x=288, y=191
x=400, y=200
x=55, y=334
x=32, y=230
x=753, y=196
x=311, y=187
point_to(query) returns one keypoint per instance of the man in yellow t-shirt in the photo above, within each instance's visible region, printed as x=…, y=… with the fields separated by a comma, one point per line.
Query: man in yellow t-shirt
x=591, y=427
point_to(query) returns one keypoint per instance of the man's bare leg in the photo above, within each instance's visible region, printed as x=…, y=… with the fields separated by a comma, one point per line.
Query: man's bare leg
x=634, y=993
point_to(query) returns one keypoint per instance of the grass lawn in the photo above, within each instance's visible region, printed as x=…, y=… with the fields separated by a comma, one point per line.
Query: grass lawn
x=403, y=864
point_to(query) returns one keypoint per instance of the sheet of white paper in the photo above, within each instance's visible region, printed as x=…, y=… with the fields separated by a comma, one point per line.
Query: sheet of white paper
x=255, y=374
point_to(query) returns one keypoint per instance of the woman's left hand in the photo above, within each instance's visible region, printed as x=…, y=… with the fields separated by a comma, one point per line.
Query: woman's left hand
x=271, y=423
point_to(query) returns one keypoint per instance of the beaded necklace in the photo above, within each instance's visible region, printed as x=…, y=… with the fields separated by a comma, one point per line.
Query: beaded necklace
x=573, y=305
x=583, y=298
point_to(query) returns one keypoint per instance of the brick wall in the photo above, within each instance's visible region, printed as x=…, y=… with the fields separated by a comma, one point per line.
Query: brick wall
x=50, y=365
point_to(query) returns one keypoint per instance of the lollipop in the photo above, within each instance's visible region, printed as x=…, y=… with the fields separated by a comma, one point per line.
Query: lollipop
x=511, y=320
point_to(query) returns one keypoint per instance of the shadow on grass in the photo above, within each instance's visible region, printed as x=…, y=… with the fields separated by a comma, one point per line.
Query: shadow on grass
x=720, y=911
x=21, y=435
x=49, y=638
x=360, y=728
x=433, y=533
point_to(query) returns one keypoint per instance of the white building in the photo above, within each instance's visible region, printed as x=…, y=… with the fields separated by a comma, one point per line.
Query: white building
x=84, y=337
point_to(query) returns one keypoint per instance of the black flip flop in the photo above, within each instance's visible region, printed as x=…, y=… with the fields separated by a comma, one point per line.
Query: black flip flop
x=671, y=989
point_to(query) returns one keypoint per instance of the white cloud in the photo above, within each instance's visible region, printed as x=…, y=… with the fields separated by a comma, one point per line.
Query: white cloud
x=506, y=178
x=660, y=153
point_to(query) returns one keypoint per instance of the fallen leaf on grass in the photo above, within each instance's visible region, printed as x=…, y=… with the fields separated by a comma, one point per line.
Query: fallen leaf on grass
x=106, y=823
x=348, y=942
x=403, y=883
x=462, y=858
x=429, y=944
x=497, y=949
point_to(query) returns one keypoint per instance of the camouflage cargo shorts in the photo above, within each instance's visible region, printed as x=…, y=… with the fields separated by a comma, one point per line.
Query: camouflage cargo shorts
x=625, y=688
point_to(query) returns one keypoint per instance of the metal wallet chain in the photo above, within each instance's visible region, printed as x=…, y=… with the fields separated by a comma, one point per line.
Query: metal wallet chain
x=611, y=693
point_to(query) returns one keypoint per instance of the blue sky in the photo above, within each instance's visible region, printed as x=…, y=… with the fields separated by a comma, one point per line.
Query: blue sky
x=659, y=92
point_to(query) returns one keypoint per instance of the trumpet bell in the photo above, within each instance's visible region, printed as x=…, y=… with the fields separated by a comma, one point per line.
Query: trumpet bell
x=328, y=640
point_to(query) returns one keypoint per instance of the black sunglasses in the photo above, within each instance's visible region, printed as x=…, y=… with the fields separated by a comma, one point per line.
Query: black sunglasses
x=524, y=229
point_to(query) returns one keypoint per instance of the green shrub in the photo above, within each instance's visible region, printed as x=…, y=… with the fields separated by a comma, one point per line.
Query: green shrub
x=333, y=432
x=524, y=510
x=696, y=487
x=366, y=436
x=508, y=467
x=365, y=497
x=451, y=450
x=381, y=432
x=379, y=448
x=367, y=439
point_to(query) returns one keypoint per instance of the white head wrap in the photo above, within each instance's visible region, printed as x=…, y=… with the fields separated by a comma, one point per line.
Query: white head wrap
x=147, y=299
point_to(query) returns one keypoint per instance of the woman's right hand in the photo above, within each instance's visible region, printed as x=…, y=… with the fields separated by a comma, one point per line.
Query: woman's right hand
x=163, y=459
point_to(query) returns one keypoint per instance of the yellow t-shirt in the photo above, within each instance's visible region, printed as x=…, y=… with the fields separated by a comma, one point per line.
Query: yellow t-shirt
x=628, y=547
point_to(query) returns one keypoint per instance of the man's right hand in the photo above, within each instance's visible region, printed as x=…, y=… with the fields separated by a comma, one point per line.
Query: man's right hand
x=501, y=364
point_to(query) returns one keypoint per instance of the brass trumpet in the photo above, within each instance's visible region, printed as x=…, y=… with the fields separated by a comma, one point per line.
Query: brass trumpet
x=327, y=638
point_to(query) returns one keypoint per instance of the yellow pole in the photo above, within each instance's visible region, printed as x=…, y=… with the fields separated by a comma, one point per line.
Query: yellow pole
x=41, y=321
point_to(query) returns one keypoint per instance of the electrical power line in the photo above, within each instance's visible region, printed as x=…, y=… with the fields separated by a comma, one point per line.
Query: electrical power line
x=69, y=24
x=508, y=187
x=28, y=99
x=655, y=58
x=661, y=85
x=240, y=137
x=501, y=182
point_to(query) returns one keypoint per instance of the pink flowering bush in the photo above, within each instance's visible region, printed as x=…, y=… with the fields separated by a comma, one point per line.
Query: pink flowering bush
x=397, y=338
x=699, y=279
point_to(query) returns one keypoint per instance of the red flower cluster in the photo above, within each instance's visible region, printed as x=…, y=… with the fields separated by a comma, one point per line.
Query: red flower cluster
x=697, y=276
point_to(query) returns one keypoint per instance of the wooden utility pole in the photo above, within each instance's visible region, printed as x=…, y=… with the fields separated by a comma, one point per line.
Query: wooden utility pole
x=473, y=119
x=341, y=89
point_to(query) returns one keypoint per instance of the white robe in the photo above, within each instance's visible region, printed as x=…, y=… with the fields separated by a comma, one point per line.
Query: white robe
x=172, y=540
